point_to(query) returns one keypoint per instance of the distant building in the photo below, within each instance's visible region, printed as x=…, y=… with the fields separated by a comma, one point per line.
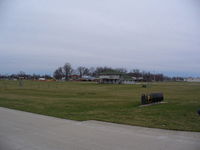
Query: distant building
x=41, y=79
x=88, y=78
x=190, y=79
x=109, y=78
x=128, y=80
x=117, y=78
x=74, y=77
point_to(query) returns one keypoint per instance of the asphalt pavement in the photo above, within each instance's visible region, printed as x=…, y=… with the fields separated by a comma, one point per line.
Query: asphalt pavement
x=27, y=131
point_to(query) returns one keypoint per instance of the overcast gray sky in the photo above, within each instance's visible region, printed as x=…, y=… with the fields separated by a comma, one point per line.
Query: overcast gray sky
x=37, y=36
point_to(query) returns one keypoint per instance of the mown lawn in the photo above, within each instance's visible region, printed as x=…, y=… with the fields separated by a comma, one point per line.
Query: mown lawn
x=111, y=103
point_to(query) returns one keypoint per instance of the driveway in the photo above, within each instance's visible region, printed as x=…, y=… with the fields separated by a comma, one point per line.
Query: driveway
x=27, y=131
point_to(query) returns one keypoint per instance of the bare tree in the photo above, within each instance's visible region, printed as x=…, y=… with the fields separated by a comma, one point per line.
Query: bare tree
x=22, y=73
x=67, y=70
x=86, y=71
x=80, y=70
x=91, y=71
x=83, y=71
x=58, y=73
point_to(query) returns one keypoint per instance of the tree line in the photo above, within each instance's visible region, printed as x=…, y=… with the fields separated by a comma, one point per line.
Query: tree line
x=66, y=71
x=24, y=75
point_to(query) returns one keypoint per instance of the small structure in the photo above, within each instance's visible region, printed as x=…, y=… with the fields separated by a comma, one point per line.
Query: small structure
x=144, y=86
x=151, y=98
x=110, y=78
x=198, y=112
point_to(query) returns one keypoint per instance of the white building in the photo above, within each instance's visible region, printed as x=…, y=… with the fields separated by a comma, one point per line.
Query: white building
x=192, y=79
x=113, y=78
x=110, y=78
x=41, y=79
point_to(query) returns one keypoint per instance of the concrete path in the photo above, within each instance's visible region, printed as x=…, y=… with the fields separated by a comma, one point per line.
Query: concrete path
x=26, y=131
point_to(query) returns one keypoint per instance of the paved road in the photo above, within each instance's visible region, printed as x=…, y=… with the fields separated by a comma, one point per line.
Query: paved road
x=26, y=131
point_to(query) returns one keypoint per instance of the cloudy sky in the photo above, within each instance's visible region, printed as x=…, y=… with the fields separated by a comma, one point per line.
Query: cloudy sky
x=37, y=36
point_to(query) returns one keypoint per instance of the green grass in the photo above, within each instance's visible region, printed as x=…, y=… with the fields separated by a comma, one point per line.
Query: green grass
x=111, y=103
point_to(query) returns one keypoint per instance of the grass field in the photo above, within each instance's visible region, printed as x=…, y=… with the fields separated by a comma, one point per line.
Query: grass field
x=111, y=103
